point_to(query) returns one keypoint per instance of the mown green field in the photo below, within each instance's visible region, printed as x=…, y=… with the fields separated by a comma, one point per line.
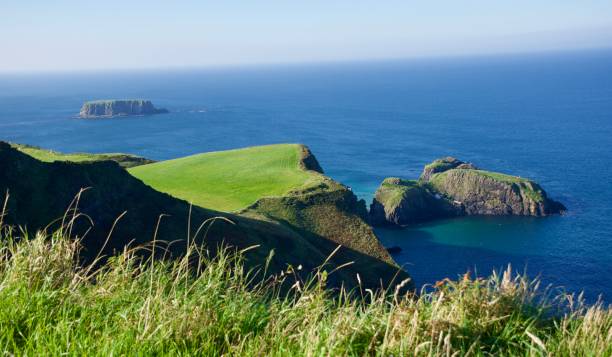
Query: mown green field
x=229, y=180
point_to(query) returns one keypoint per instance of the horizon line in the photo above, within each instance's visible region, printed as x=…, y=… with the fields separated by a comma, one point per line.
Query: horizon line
x=268, y=64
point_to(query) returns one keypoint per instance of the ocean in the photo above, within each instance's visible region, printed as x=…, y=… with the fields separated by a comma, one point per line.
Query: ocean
x=547, y=117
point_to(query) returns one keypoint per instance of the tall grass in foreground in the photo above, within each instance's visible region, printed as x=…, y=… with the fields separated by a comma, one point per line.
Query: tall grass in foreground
x=50, y=305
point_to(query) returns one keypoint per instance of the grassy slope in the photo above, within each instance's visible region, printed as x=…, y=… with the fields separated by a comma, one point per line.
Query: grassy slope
x=50, y=306
x=44, y=155
x=229, y=180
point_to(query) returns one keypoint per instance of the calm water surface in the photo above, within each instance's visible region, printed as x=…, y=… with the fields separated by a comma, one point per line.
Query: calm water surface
x=547, y=117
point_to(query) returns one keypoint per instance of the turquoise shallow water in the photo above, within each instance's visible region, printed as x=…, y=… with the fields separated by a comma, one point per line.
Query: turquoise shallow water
x=547, y=117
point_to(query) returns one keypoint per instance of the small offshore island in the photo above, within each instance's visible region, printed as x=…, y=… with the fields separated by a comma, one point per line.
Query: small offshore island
x=449, y=187
x=118, y=108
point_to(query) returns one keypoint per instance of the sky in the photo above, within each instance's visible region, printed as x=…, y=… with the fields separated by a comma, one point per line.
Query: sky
x=67, y=35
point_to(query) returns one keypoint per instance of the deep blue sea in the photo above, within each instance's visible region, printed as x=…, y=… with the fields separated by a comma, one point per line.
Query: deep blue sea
x=547, y=117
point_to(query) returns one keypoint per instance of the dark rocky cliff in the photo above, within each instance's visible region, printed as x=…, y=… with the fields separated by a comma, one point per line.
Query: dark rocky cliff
x=484, y=193
x=113, y=108
x=402, y=202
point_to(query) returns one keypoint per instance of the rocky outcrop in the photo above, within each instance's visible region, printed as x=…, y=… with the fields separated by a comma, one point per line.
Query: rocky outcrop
x=402, y=202
x=450, y=187
x=324, y=208
x=479, y=192
x=114, y=108
x=308, y=161
x=444, y=164
x=328, y=209
x=331, y=210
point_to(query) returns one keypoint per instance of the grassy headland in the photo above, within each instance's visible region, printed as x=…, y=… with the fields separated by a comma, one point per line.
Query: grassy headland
x=230, y=180
x=40, y=192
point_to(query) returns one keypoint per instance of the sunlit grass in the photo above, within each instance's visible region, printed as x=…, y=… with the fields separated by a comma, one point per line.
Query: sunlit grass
x=229, y=180
x=202, y=305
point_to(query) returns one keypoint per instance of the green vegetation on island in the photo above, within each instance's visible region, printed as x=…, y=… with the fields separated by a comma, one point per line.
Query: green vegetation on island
x=401, y=202
x=526, y=186
x=450, y=187
x=394, y=189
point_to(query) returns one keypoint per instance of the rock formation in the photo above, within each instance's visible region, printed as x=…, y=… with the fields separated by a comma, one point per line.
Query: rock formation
x=114, y=108
x=450, y=187
x=401, y=202
x=442, y=165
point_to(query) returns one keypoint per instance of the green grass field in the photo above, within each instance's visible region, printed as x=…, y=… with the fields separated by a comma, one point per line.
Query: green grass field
x=229, y=180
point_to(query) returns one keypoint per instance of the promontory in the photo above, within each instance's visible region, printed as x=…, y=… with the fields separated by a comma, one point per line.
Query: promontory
x=114, y=108
x=450, y=187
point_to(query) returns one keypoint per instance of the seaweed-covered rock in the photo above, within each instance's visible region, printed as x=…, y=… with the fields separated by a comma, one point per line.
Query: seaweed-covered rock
x=114, y=108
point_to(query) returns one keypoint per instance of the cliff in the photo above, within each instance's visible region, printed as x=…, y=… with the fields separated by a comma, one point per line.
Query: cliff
x=328, y=209
x=402, y=202
x=113, y=108
x=479, y=192
x=450, y=187
x=444, y=164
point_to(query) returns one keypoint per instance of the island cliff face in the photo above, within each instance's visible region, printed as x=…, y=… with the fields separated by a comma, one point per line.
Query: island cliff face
x=450, y=187
x=114, y=108
x=402, y=202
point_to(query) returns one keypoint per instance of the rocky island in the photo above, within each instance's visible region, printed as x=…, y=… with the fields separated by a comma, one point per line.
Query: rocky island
x=115, y=108
x=450, y=187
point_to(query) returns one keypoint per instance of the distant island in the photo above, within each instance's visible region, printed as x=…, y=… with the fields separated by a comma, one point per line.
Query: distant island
x=114, y=108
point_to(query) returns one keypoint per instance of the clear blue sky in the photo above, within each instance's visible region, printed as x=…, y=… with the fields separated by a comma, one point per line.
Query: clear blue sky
x=82, y=34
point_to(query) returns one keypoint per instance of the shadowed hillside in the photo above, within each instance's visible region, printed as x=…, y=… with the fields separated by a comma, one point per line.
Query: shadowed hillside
x=40, y=192
x=124, y=160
